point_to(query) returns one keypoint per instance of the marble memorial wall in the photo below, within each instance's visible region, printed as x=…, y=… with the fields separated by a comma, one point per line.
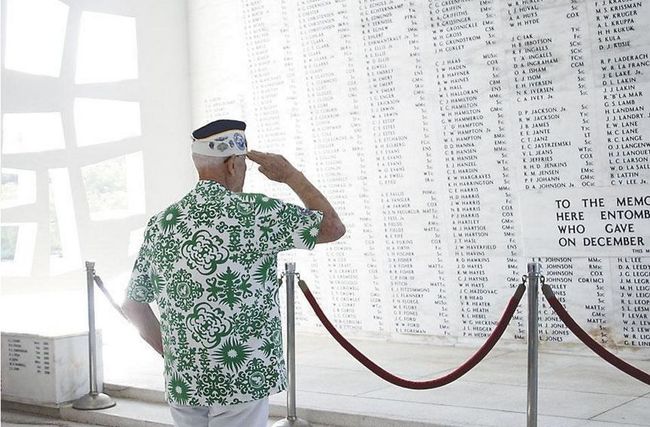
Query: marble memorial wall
x=458, y=140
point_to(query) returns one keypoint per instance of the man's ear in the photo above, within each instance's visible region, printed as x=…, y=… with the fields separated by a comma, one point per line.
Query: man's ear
x=230, y=165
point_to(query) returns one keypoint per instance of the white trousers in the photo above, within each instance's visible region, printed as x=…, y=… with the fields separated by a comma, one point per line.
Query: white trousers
x=249, y=414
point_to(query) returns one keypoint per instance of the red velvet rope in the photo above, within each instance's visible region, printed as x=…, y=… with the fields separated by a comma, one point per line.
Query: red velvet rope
x=590, y=342
x=418, y=385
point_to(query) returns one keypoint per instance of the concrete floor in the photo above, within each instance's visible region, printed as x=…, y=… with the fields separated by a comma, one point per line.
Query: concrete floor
x=575, y=388
x=14, y=418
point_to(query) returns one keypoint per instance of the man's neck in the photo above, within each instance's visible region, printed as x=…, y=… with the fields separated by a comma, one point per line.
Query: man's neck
x=218, y=178
x=211, y=176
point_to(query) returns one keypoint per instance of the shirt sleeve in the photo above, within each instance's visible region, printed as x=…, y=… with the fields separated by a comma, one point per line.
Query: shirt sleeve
x=141, y=285
x=282, y=226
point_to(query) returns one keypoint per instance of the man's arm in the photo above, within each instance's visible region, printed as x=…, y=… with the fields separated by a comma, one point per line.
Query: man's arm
x=146, y=321
x=277, y=168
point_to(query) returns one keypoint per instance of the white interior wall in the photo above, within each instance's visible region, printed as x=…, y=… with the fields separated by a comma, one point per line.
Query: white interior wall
x=428, y=125
x=351, y=92
x=148, y=134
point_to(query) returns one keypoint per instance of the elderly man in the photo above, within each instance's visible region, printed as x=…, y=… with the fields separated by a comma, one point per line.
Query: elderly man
x=209, y=261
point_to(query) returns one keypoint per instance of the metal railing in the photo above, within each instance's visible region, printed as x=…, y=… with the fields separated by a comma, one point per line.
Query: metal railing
x=291, y=419
x=534, y=272
x=94, y=399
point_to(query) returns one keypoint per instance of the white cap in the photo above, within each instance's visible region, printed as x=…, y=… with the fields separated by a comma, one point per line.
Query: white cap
x=224, y=144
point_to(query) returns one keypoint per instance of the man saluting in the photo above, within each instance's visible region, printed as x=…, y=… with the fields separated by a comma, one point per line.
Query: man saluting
x=209, y=261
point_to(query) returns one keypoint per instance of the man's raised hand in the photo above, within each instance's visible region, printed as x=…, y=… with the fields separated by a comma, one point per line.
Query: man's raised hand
x=274, y=166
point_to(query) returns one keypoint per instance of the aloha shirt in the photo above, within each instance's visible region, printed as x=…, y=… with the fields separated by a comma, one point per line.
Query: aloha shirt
x=210, y=262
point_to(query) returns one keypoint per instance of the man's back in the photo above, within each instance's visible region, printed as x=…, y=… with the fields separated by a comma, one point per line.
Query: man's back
x=209, y=261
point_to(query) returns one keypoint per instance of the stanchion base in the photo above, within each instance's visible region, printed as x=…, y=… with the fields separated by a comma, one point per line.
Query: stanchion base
x=93, y=401
x=296, y=422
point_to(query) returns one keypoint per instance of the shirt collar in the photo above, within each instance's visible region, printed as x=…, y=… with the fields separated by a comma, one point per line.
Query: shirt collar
x=210, y=185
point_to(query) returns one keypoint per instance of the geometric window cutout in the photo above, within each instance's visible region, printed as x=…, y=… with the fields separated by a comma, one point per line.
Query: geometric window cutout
x=35, y=36
x=136, y=237
x=64, y=239
x=31, y=132
x=18, y=244
x=105, y=185
x=103, y=120
x=56, y=250
x=107, y=49
x=8, y=242
x=115, y=187
x=18, y=187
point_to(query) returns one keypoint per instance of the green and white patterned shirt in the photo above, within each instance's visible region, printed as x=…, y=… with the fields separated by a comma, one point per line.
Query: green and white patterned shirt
x=210, y=262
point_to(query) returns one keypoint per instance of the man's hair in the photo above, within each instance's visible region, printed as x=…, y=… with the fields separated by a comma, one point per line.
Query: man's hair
x=202, y=162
